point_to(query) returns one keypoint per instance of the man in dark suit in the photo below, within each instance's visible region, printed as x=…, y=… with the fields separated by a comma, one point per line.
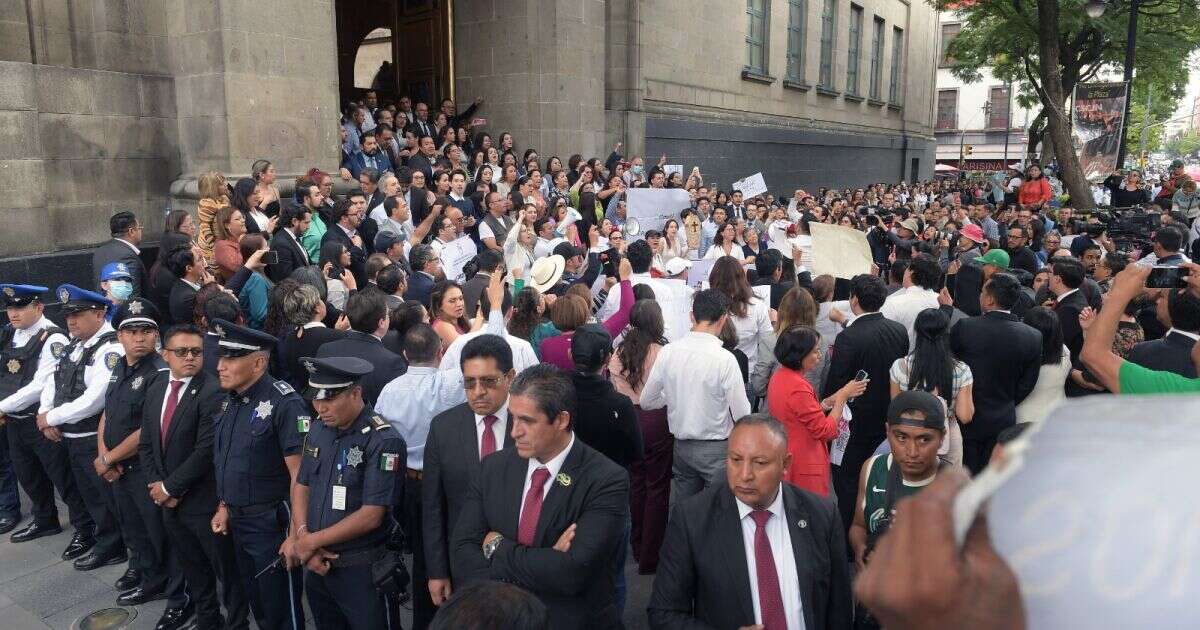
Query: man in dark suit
x=769, y=265
x=1066, y=278
x=458, y=439
x=175, y=448
x=293, y=223
x=427, y=268
x=126, y=233
x=547, y=514
x=369, y=155
x=722, y=547
x=348, y=216
x=423, y=161
x=1004, y=355
x=190, y=274
x=1180, y=310
x=870, y=343
x=489, y=261
x=368, y=315
x=415, y=198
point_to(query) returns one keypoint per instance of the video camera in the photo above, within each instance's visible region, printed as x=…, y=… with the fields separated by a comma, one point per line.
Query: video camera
x=1130, y=228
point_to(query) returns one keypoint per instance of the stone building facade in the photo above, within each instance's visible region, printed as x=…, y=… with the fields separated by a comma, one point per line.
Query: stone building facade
x=108, y=105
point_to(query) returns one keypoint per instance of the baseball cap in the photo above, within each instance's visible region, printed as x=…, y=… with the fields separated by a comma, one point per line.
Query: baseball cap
x=590, y=346
x=677, y=265
x=385, y=240
x=115, y=271
x=921, y=401
x=911, y=225
x=973, y=232
x=997, y=257
x=1176, y=163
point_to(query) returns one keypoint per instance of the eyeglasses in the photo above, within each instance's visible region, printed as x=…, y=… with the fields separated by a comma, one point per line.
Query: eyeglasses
x=488, y=382
x=183, y=353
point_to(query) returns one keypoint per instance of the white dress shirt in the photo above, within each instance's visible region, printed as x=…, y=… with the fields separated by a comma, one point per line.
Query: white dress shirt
x=497, y=431
x=700, y=384
x=412, y=399
x=131, y=246
x=32, y=391
x=785, y=561
x=754, y=326
x=95, y=376
x=904, y=305
x=554, y=465
x=523, y=354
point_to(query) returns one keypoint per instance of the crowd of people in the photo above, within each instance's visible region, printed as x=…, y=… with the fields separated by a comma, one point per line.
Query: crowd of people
x=469, y=358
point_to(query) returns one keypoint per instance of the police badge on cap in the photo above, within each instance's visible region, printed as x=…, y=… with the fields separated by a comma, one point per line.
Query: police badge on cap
x=328, y=377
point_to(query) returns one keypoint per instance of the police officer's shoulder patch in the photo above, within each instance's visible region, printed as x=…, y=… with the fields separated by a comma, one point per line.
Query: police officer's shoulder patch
x=303, y=424
x=389, y=462
x=284, y=388
x=111, y=359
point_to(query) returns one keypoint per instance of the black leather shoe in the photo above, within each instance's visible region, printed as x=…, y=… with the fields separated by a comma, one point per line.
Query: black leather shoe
x=35, y=530
x=129, y=581
x=139, y=596
x=81, y=543
x=94, y=560
x=175, y=618
x=9, y=523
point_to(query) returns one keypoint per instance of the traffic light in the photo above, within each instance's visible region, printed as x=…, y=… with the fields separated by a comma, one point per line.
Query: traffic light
x=967, y=149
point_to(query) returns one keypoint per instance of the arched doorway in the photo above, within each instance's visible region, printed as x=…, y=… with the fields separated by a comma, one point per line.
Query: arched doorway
x=396, y=47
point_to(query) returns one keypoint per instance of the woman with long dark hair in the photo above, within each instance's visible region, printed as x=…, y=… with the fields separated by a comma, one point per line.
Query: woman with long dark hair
x=1048, y=393
x=932, y=367
x=246, y=198
x=528, y=319
x=449, y=311
x=792, y=399
x=750, y=315
x=649, y=478
x=335, y=265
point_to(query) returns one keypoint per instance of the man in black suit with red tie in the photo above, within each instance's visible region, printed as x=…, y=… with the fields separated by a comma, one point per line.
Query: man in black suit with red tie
x=755, y=550
x=548, y=513
x=458, y=440
x=176, y=449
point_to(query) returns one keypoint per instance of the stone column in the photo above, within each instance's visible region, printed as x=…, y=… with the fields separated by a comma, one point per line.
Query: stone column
x=540, y=66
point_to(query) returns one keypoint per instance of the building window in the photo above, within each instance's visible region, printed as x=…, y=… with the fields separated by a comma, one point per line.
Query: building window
x=998, y=108
x=795, y=41
x=897, y=66
x=876, y=58
x=828, y=28
x=756, y=36
x=949, y=32
x=947, y=109
x=855, y=52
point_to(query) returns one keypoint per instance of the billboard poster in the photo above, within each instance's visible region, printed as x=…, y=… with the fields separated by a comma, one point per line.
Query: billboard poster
x=1097, y=125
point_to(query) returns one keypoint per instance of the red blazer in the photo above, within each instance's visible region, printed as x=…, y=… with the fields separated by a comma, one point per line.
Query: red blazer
x=1034, y=191
x=791, y=399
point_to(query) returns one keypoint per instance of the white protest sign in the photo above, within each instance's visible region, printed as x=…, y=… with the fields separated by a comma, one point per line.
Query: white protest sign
x=455, y=255
x=649, y=208
x=697, y=274
x=751, y=186
x=675, y=299
x=1098, y=521
x=841, y=252
x=670, y=169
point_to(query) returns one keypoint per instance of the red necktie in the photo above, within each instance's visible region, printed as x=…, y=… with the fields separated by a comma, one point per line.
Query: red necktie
x=770, y=600
x=532, y=509
x=488, y=446
x=172, y=403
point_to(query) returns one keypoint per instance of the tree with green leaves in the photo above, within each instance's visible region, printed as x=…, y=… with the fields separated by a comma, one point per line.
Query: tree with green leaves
x=1184, y=144
x=1047, y=47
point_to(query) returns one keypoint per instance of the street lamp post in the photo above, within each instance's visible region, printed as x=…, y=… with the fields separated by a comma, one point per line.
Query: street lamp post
x=1094, y=9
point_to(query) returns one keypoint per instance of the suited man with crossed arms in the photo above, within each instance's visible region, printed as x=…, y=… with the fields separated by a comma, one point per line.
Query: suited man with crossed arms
x=548, y=513
x=458, y=439
x=176, y=450
x=753, y=552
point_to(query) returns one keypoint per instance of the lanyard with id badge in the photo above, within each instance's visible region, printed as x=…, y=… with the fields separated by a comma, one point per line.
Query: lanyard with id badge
x=346, y=458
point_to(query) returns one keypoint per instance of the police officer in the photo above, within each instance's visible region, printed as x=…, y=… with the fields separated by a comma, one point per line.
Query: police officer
x=348, y=480
x=29, y=349
x=256, y=453
x=141, y=522
x=70, y=411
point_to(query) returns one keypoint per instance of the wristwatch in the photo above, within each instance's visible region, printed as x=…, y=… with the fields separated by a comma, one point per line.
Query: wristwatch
x=489, y=548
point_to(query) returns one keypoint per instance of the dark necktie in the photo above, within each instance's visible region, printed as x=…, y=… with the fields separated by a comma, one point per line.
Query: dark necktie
x=488, y=444
x=531, y=510
x=169, y=411
x=770, y=599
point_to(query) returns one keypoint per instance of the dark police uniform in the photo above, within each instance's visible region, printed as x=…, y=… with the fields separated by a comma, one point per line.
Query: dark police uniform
x=345, y=470
x=140, y=519
x=27, y=361
x=254, y=432
x=72, y=402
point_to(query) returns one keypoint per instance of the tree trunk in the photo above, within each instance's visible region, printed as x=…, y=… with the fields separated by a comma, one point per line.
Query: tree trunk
x=1035, y=132
x=1053, y=100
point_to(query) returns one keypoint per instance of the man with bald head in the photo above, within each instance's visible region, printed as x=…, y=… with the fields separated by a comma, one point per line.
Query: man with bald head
x=753, y=552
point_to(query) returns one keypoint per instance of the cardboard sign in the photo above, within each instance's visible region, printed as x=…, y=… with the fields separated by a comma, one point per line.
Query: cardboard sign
x=455, y=255
x=841, y=252
x=697, y=274
x=649, y=209
x=751, y=186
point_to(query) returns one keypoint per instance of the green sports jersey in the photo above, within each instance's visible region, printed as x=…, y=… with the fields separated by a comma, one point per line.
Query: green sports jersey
x=875, y=508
